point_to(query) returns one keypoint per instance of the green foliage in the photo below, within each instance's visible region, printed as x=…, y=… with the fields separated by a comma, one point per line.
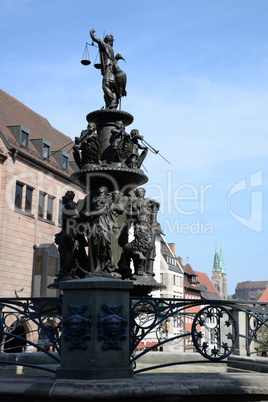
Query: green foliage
x=262, y=335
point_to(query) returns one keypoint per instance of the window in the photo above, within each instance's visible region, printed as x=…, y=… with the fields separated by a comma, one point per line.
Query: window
x=49, y=208
x=176, y=280
x=28, y=199
x=64, y=162
x=60, y=213
x=41, y=205
x=24, y=139
x=23, y=199
x=46, y=151
x=45, y=206
x=18, y=196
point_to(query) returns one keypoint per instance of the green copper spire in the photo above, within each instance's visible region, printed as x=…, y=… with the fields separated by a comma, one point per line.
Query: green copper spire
x=222, y=268
x=216, y=265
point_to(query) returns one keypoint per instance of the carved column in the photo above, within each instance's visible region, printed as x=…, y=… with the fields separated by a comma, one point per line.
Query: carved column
x=95, y=342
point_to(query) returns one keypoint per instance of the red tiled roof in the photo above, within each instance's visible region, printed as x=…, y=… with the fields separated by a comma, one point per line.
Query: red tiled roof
x=188, y=269
x=13, y=112
x=204, y=280
x=192, y=287
x=264, y=296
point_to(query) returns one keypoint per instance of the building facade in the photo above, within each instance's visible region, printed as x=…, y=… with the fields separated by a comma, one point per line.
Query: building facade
x=35, y=168
x=250, y=290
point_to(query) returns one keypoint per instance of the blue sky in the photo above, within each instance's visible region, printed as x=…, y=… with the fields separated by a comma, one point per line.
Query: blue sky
x=198, y=90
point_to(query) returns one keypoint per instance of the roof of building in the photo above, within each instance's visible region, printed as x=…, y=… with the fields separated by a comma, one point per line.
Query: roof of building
x=208, y=289
x=189, y=279
x=188, y=269
x=170, y=258
x=15, y=113
x=252, y=285
x=264, y=296
x=216, y=262
x=192, y=287
x=222, y=267
x=175, y=269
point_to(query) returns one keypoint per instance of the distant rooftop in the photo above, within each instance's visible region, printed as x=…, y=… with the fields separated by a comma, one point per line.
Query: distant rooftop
x=252, y=285
x=13, y=114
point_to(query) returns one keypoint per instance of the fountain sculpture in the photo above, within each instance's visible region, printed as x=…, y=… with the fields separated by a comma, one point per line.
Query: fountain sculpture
x=95, y=240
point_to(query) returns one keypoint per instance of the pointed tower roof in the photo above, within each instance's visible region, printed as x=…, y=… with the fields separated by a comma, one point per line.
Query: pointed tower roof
x=222, y=268
x=216, y=264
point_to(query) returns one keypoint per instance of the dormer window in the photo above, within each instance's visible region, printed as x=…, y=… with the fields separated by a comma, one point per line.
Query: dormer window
x=65, y=161
x=62, y=159
x=21, y=134
x=24, y=139
x=46, y=150
x=42, y=146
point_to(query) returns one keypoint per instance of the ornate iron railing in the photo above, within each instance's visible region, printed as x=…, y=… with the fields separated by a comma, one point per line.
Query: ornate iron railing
x=211, y=327
x=215, y=329
x=30, y=325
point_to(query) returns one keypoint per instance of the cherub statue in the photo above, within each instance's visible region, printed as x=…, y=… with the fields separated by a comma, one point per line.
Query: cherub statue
x=86, y=148
x=135, y=159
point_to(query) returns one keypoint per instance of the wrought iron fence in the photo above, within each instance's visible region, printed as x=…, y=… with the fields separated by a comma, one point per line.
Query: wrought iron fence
x=30, y=325
x=214, y=329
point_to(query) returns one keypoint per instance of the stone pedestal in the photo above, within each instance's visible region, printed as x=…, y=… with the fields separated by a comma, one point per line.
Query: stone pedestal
x=95, y=342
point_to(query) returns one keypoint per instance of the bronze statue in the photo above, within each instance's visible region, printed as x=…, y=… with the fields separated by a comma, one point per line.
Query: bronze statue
x=95, y=232
x=100, y=242
x=142, y=249
x=120, y=77
x=118, y=134
x=106, y=207
x=71, y=243
x=135, y=159
x=113, y=90
x=86, y=148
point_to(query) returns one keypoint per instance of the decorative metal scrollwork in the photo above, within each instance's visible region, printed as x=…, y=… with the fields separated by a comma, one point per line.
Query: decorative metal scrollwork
x=144, y=314
x=50, y=323
x=214, y=332
x=257, y=316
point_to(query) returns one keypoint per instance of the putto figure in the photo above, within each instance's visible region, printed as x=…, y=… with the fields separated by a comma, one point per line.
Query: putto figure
x=135, y=159
x=86, y=148
x=113, y=90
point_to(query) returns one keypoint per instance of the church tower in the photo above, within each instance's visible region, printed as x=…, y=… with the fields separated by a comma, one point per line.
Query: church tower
x=219, y=274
